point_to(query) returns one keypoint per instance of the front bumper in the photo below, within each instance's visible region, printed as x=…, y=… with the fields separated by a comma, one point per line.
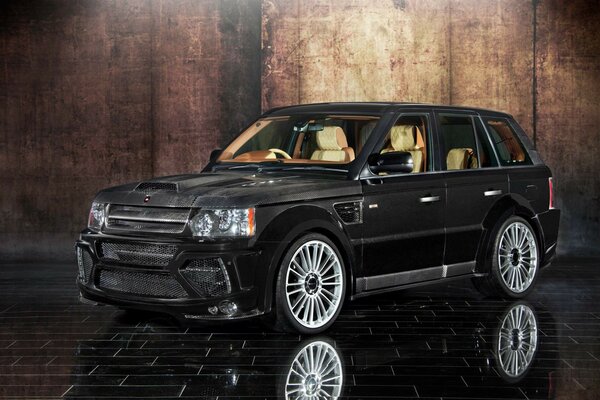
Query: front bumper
x=183, y=278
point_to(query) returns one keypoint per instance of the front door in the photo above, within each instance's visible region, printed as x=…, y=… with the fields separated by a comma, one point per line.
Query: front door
x=403, y=237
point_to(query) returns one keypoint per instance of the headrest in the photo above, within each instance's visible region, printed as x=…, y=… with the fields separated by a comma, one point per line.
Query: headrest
x=402, y=137
x=331, y=138
x=458, y=158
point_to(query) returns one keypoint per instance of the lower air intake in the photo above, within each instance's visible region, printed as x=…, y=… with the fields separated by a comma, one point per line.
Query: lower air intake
x=145, y=254
x=208, y=276
x=141, y=283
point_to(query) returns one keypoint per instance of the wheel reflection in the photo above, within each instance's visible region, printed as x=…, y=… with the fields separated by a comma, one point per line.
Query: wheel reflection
x=315, y=373
x=516, y=342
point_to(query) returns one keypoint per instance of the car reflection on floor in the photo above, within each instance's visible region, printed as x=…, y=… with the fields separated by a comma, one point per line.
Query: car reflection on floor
x=456, y=356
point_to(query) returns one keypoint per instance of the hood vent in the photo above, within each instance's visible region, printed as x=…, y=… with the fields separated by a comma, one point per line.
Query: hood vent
x=151, y=187
x=350, y=213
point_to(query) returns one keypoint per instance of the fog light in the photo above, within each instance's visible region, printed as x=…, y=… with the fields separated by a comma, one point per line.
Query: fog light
x=213, y=310
x=228, y=307
x=80, y=264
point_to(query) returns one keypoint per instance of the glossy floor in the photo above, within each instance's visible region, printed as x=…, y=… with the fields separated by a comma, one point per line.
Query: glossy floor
x=444, y=341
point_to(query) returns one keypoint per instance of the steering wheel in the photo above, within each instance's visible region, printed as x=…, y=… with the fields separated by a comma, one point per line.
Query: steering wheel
x=281, y=152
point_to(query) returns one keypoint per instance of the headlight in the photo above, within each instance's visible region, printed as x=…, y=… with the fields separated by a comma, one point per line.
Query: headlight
x=96, y=218
x=233, y=222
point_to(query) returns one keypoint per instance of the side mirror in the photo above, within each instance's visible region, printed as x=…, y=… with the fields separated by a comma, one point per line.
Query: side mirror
x=393, y=161
x=215, y=154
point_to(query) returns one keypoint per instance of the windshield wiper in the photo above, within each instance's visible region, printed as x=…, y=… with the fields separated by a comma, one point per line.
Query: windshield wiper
x=303, y=168
x=259, y=165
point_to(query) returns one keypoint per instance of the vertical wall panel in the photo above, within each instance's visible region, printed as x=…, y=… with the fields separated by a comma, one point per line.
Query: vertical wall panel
x=74, y=115
x=568, y=121
x=491, y=56
x=327, y=50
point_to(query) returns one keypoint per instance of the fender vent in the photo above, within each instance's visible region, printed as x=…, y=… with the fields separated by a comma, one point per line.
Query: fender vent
x=350, y=213
x=150, y=187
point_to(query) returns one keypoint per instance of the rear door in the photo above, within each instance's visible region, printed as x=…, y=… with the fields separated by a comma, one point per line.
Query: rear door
x=474, y=182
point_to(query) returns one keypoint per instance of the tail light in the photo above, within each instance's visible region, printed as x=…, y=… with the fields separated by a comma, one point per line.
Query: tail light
x=550, y=194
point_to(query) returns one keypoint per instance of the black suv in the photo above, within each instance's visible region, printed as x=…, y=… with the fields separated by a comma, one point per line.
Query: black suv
x=315, y=204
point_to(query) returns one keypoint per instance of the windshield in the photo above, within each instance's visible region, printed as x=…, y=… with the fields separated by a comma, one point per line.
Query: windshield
x=301, y=139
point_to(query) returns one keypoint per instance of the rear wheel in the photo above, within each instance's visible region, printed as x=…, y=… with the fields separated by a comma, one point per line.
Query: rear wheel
x=514, y=262
x=310, y=286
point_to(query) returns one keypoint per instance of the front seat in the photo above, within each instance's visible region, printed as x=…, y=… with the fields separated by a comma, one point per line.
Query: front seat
x=332, y=146
x=402, y=138
x=461, y=158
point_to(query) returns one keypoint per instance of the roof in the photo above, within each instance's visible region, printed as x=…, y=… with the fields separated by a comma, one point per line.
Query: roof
x=373, y=108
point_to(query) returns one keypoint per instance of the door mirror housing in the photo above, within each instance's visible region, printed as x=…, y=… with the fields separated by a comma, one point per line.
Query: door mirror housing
x=393, y=161
x=215, y=154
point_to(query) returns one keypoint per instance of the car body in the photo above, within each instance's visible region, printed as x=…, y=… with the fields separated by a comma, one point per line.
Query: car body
x=384, y=196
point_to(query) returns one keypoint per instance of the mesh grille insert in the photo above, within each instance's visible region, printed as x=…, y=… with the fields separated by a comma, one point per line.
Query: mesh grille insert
x=150, y=187
x=154, y=255
x=350, y=213
x=141, y=283
x=208, y=276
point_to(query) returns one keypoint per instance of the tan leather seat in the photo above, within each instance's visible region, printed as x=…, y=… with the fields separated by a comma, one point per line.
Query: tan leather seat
x=402, y=138
x=461, y=158
x=333, y=146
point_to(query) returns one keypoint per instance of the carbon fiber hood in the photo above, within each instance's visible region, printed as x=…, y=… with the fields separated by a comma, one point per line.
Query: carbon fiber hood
x=227, y=189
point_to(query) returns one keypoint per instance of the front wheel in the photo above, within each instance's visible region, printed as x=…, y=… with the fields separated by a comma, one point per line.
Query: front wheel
x=515, y=260
x=310, y=286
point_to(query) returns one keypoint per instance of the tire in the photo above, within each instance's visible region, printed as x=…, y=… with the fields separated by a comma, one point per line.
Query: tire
x=310, y=286
x=513, y=264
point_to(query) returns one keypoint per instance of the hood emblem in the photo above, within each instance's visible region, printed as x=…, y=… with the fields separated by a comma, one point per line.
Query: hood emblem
x=146, y=199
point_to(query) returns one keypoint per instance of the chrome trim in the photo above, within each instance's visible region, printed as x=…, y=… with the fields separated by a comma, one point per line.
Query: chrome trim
x=489, y=193
x=429, y=199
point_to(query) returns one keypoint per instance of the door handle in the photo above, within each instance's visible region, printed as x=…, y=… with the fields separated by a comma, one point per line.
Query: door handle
x=429, y=199
x=489, y=193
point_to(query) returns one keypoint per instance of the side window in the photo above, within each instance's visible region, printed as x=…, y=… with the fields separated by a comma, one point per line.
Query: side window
x=410, y=134
x=508, y=147
x=457, y=133
x=487, y=158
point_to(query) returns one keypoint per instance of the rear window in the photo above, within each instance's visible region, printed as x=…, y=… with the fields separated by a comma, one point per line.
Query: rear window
x=508, y=147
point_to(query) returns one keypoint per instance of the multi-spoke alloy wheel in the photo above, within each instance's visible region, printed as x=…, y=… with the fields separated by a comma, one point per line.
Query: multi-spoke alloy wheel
x=517, y=341
x=310, y=287
x=314, y=281
x=517, y=257
x=315, y=373
x=513, y=260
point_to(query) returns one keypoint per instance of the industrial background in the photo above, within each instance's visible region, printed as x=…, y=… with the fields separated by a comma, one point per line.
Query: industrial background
x=95, y=93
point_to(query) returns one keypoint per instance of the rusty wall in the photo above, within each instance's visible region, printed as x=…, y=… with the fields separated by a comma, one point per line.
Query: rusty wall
x=538, y=60
x=568, y=121
x=96, y=93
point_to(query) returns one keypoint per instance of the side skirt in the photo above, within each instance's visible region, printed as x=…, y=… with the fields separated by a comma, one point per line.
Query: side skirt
x=400, y=280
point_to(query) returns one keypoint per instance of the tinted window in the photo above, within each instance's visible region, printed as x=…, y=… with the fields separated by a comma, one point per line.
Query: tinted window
x=508, y=147
x=458, y=139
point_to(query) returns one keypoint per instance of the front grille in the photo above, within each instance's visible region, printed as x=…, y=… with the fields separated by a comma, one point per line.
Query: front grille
x=85, y=263
x=144, y=254
x=160, y=285
x=208, y=276
x=152, y=187
x=350, y=213
x=147, y=219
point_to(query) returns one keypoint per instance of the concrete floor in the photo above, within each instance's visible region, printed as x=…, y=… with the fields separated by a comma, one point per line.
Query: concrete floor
x=436, y=342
